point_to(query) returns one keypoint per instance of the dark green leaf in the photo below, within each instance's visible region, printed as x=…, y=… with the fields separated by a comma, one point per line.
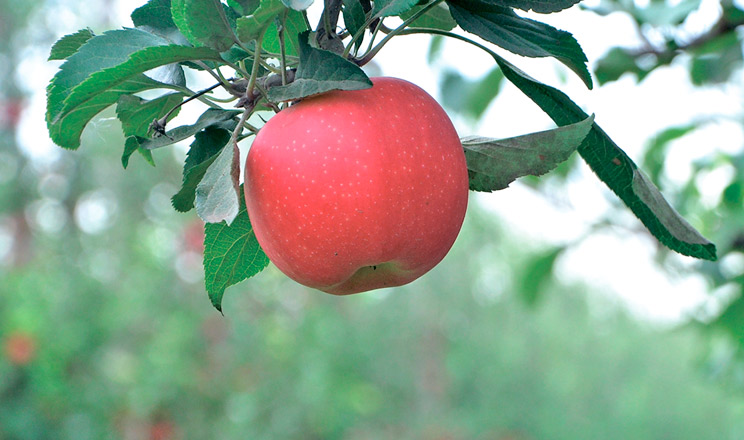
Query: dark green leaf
x=204, y=23
x=320, y=71
x=494, y=164
x=520, y=35
x=243, y=7
x=733, y=195
x=203, y=151
x=69, y=44
x=253, y=27
x=649, y=194
x=131, y=145
x=155, y=15
x=541, y=6
x=437, y=17
x=213, y=117
x=218, y=194
x=616, y=169
x=231, y=254
x=136, y=115
x=354, y=18
x=389, y=8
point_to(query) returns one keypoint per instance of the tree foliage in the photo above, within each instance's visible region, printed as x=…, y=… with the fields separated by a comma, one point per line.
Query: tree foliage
x=273, y=55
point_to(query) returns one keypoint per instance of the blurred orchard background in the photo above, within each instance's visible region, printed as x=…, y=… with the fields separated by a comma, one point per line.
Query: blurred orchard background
x=555, y=316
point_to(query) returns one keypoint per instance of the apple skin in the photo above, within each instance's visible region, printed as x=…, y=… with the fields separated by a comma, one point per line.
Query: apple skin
x=351, y=191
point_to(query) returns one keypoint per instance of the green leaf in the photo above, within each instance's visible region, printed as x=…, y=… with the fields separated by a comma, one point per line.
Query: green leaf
x=494, y=164
x=470, y=97
x=435, y=48
x=204, y=23
x=69, y=44
x=483, y=92
x=664, y=14
x=617, y=62
x=218, y=194
x=254, y=26
x=141, y=61
x=104, y=64
x=98, y=53
x=231, y=255
x=178, y=13
x=203, y=151
x=320, y=71
x=156, y=15
x=616, y=169
x=130, y=147
x=541, y=6
x=389, y=8
x=522, y=36
x=536, y=273
x=715, y=61
x=243, y=7
x=649, y=194
x=136, y=115
x=437, y=17
x=655, y=152
x=67, y=130
x=354, y=18
x=294, y=25
x=213, y=117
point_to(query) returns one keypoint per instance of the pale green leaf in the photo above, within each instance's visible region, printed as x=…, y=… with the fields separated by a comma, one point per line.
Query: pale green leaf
x=231, y=254
x=218, y=195
x=494, y=164
x=203, y=151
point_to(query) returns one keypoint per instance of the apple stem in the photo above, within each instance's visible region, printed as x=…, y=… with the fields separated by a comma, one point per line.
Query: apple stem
x=282, y=48
x=329, y=19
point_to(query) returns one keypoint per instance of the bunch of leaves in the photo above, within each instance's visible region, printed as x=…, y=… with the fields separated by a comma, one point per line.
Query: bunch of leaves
x=266, y=54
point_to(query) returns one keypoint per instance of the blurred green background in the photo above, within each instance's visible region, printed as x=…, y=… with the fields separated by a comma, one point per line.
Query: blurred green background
x=107, y=332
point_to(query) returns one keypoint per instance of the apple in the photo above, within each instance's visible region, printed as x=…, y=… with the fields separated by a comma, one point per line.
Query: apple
x=350, y=191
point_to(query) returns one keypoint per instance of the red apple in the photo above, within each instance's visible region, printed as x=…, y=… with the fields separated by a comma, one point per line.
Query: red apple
x=351, y=191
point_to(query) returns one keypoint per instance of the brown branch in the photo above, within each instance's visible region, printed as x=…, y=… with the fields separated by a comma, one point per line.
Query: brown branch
x=722, y=27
